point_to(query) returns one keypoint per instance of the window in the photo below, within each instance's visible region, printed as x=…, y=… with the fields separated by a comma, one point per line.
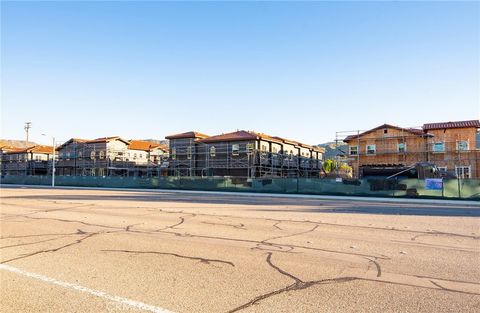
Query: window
x=462, y=171
x=442, y=168
x=92, y=155
x=402, y=147
x=462, y=145
x=385, y=130
x=134, y=156
x=249, y=148
x=101, y=155
x=80, y=154
x=274, y=149
x=264, y=148
x=371, y=149
x=68, y=155
x=174, y=153
x=235, y=149
x=439, y=147
x=212, y=151
x=38, y=158
x=189, y=152
x=61, y=155
x=353, y=150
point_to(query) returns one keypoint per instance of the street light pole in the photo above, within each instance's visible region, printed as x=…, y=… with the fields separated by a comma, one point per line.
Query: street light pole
x=53, y=160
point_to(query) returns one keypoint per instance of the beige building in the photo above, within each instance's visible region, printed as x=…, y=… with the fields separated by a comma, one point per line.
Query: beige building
x=109, y=156
x=146, y=153
x=33, y=160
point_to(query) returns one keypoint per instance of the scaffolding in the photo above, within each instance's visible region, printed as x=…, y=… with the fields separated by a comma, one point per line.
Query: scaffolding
x=86, y=159
x=407, y=147
x=190, y=157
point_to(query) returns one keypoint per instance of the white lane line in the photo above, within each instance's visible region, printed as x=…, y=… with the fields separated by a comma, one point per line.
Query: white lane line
x=100, y=294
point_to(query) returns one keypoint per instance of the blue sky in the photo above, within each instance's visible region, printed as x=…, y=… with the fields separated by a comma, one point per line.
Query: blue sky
x=298, y=70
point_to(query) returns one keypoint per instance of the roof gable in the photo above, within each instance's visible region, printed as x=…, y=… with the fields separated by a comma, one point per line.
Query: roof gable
x=107, y=139
x=71, y=140
x=234, y=136
x=414, y=131
x=190, y=134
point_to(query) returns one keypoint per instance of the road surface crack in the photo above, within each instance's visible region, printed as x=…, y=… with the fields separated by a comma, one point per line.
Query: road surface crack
x=202, y=260
x=298, y=284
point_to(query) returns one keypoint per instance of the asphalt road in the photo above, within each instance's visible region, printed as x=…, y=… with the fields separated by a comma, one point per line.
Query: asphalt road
x=68, y=250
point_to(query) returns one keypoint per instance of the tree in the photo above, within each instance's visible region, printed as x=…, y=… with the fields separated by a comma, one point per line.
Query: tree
x=328, y=166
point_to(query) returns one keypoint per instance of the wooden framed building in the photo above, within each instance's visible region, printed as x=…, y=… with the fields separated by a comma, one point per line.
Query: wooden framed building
x=455, y=147
x=385, y=150
x=110, y=156
x=242, y=154
x=33, y=160
x=186, y=153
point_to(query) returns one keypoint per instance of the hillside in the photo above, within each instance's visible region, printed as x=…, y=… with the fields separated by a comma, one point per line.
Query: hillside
x=332, y=150
x=157, y=141
x=16, y=143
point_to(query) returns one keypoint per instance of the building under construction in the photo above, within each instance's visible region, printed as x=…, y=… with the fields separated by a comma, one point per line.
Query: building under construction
x=386, y=150
x=242, y=154
x=32, y=160
x=111, y=156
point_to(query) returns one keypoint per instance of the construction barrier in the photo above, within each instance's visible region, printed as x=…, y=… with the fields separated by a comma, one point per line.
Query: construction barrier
x=411, y=188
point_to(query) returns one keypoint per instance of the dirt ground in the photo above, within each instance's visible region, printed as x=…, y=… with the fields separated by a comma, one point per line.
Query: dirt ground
x=66, y=250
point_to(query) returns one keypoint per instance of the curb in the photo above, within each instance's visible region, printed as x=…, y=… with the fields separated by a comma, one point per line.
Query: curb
x=267, y=195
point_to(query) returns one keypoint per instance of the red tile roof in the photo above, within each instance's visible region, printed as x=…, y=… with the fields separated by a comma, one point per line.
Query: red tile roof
x=33, y=149
x=142, y=145
x=42, y=149
x=7, y=148
x=458, y=124
x=191, y=134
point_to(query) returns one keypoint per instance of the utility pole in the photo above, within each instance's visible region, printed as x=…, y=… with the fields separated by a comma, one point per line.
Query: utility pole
x=28, y=125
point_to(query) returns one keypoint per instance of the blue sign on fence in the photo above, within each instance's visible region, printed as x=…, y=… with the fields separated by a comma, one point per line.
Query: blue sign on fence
x=434, y=183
